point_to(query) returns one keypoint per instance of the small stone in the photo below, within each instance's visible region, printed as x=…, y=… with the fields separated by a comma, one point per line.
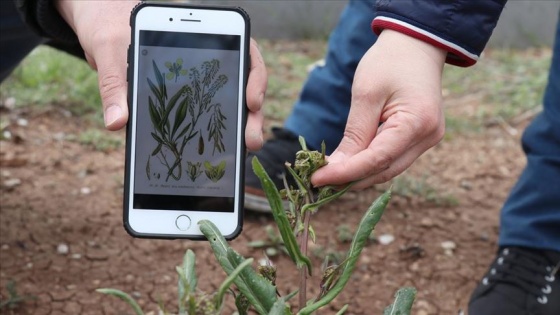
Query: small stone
x=12, y=182
x=129, y=278
x=385, y=239
x=426, y=222
x=85, y=190
x=7, y=134
x=5, y=246
x=76, y=256
x=5, y=173
x=10, y=103
x=448, y=245
x=59, y=136
x=71, y=287
x=136, y=294
x=271, y=251
x=414, y=266
x=96, y=282
x=29, y=265
x=22, y=122
x=62, y=249
x=465, y=184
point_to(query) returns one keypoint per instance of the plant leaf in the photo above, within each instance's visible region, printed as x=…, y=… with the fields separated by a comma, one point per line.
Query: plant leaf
x=179, y=116
x=280, y=217
x=259, y=291
x=155, y=90
x=170, y=106
x=187, y=278
x=342, y=310
x=314, y=206
x=184, y=131
x=280, y=307
x=159, y=77
x=123, y=296
x=157, y=138
x=402, y=303
x=219, y=299
x=157, y=149
x=367, y=224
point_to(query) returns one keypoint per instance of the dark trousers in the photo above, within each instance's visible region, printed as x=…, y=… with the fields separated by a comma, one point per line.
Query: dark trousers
x=16, y=39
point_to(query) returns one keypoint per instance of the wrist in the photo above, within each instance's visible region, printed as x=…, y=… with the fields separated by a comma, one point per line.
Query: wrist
x=409, y=44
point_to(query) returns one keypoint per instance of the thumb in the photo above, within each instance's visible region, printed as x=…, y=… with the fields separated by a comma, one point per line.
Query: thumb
x=111, y=69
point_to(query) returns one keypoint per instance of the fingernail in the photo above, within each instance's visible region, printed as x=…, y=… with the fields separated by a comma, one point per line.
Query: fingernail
x=112, y=114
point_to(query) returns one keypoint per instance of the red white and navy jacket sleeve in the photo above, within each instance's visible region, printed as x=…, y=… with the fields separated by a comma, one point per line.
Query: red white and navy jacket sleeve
x=461, y=27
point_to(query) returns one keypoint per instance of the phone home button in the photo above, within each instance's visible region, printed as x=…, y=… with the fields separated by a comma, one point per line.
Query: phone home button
x=183, y=222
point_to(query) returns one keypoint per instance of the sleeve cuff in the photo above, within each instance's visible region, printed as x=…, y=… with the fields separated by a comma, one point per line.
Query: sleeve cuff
x=456, y=55
x=43, y=17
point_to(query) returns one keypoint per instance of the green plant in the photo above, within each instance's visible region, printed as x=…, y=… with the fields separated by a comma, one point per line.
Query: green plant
x=99, y=140
x=172, y=130
x=48, y=76
x=194, y=170
x=215, y=173
x=191, y=300
x=257, y=289
x=14, y=299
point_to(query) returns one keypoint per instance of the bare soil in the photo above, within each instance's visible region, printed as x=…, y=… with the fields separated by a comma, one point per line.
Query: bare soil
x=62, y=235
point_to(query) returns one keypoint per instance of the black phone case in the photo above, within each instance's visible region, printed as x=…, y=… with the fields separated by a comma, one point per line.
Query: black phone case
x=130, y=133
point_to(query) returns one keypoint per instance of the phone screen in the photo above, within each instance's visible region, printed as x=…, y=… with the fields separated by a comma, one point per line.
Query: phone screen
x=186, y=121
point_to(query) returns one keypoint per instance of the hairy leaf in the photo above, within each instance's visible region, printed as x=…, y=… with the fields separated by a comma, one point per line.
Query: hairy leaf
x=367, y=224
x=402, y=303
x=219, y=298
x=187, y=279
x=280, y=216
x=259, y=291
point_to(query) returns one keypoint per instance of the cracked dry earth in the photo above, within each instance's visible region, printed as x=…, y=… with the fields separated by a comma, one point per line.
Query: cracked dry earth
x=62, y=235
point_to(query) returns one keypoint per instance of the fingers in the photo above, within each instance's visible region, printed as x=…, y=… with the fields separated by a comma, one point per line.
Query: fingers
x=363, y=117
x=253, y=131
x=104, y=34
x=258, y=79
x=401, y=140
x=256, y=89
x=110, y=60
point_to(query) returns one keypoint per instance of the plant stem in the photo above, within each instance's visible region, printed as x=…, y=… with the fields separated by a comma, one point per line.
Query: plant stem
x=303, y=248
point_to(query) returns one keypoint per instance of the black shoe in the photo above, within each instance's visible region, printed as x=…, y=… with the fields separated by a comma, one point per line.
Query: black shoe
x=275, y=153
x=521, y=281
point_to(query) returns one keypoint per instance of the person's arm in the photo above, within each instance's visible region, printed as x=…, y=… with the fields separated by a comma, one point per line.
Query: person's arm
x=461, y=28
x=396, y=108
x=102, y=30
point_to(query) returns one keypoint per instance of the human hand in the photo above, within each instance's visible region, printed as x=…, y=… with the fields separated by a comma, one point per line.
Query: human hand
x=397, y=83
x=104, y=33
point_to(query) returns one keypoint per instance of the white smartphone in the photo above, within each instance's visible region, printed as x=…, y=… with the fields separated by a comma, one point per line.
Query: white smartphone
x=188, y=68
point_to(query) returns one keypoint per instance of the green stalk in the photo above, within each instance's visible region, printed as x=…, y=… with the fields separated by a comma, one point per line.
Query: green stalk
x=125, y=297
x=367, y=224
x=280, y=217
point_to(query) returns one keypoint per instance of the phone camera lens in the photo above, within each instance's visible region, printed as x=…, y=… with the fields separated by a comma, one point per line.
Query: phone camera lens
x=170, y=19
x=190, y=13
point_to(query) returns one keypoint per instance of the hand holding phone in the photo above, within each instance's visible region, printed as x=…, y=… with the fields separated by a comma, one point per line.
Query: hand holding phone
x=185, y=137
